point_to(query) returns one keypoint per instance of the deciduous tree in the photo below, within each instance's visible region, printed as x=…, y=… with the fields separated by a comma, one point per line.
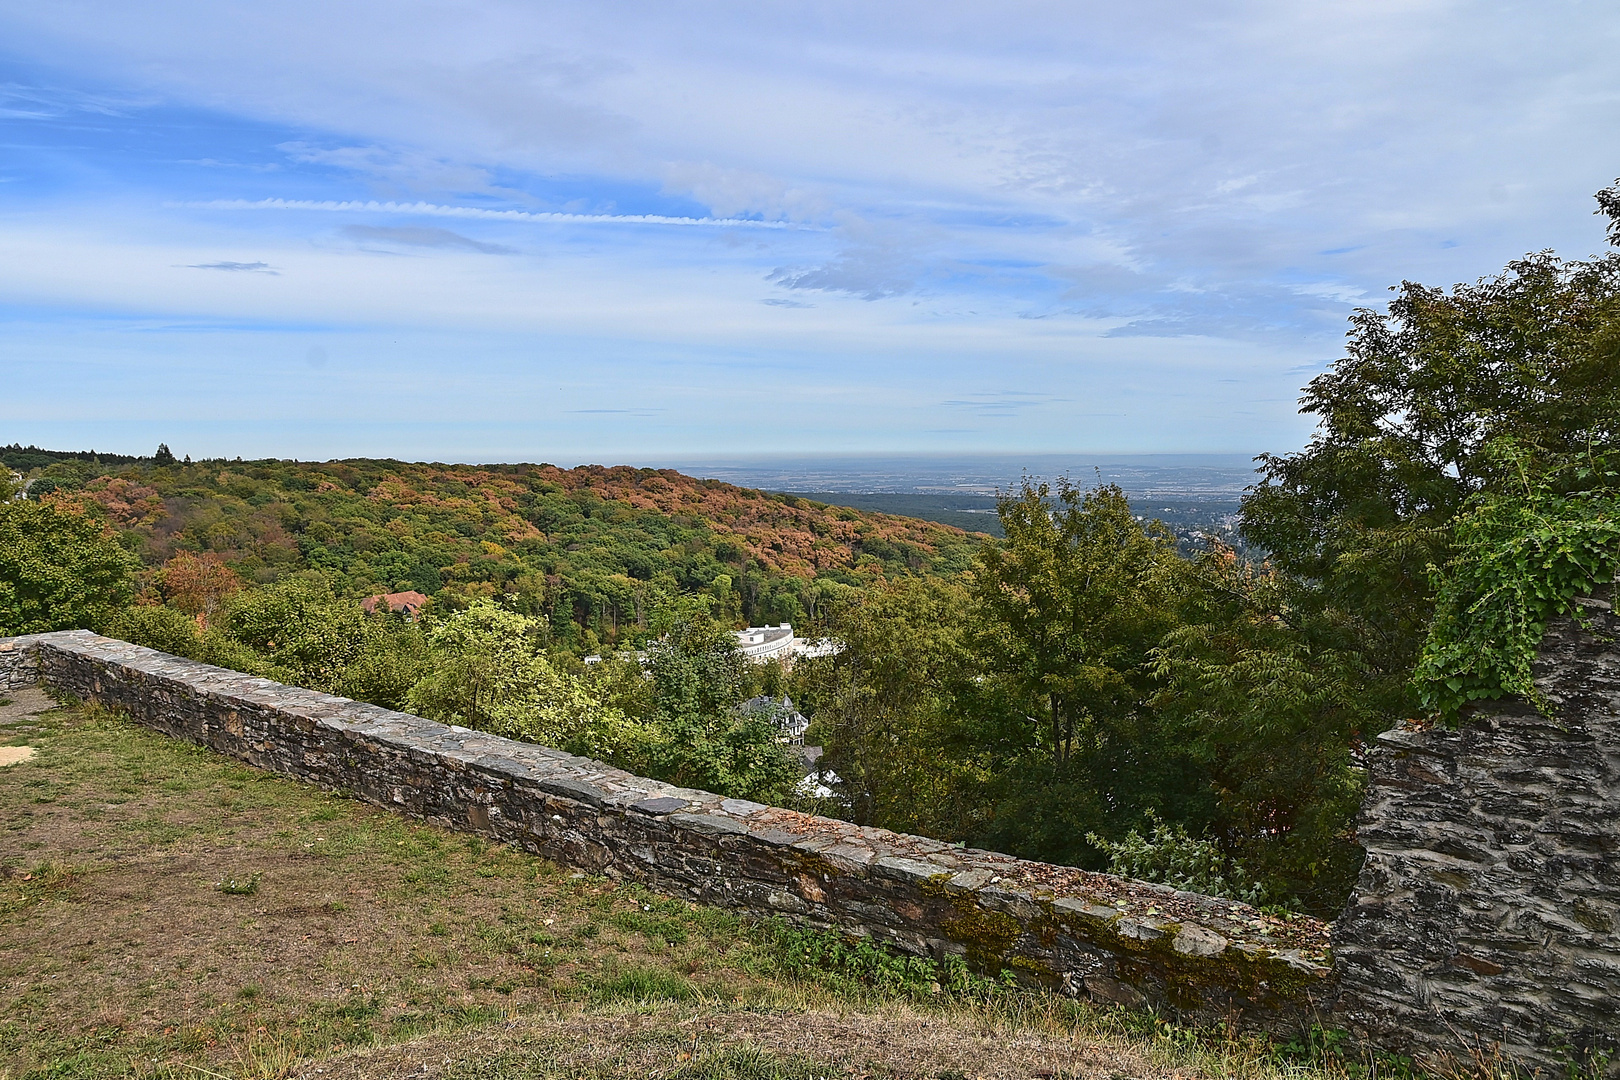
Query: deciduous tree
x=59, y=570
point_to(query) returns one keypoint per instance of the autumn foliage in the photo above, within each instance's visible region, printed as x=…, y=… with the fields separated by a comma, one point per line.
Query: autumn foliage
x=198, y=584
x=593, y=549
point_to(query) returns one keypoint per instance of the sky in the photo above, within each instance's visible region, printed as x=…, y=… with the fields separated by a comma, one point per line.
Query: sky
x=645, y=232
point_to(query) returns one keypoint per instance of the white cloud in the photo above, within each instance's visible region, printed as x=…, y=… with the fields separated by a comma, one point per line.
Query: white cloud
x=422, y=209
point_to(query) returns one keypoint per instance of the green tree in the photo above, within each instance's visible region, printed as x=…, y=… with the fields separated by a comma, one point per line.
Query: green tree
x=1280, y=676
x=1256, y=691
x=1071, y=606
x=892, y=708
x=1355, y=520
x=696, y=736
x=1073, y=600
x=58, y=570
x=488, y=671
x=393, y=657
x=302, y=630
x=160, y=627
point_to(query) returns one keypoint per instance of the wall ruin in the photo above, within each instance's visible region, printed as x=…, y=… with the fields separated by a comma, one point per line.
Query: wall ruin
x=1487, y=910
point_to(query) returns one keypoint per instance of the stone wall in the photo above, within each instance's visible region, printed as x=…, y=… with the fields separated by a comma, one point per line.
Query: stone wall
x=1489, y=905
x=1113, y=940
x=18, y=663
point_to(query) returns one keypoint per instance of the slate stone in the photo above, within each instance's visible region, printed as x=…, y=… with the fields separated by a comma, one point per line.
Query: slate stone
x=1485, y=844
x=907, y=870
x=1194, y=940
x=577, y=790
x=662, y=805
x=710, y=824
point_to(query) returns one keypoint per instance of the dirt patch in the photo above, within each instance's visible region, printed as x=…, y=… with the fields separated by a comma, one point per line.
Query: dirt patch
x=25, y=704
x=14, y=755
x=898, y=1042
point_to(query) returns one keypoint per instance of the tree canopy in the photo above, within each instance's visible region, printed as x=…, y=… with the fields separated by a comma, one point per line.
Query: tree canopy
x=59, y=570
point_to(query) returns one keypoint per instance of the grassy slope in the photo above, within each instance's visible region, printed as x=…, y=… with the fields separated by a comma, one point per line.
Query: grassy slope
x=383, y=947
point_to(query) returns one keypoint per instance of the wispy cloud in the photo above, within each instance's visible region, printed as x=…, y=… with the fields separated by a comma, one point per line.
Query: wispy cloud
x=19, y=101
x=394, y=170
x=1002, y=403
x=417, y=236
x=235, y=267
x=424, y=209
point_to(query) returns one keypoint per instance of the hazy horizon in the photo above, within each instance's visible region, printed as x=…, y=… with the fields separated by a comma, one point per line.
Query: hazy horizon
x=1176, y=475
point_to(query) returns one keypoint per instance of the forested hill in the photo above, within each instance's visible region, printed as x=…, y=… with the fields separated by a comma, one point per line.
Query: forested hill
x=595, y=548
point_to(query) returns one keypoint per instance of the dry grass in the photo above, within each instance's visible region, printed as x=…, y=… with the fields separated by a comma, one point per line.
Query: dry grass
x=168, y=912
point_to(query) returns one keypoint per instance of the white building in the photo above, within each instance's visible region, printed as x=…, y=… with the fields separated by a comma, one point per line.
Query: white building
x=762, y=643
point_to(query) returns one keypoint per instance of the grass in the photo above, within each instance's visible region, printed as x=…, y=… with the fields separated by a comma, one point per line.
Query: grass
x=166, y=912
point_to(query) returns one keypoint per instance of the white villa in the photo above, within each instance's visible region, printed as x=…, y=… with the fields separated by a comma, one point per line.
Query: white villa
x=762, y=643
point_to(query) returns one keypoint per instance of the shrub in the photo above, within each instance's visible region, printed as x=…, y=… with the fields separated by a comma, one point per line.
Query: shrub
x=1172, y=857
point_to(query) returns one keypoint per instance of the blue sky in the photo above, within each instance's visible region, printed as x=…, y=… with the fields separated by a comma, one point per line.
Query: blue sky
x=643, y=232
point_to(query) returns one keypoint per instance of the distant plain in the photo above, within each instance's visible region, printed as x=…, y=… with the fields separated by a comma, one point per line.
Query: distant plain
x=1185, y=491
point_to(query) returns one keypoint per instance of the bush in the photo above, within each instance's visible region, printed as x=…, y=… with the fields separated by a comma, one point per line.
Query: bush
x=303, y=632
x=1171, y=857
x=158, y=627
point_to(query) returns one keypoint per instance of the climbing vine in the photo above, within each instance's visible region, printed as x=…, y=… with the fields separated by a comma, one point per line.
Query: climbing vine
x=1519, y=557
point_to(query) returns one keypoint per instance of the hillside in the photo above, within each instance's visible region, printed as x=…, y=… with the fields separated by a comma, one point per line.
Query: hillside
x=212, y=920
x=594, y=548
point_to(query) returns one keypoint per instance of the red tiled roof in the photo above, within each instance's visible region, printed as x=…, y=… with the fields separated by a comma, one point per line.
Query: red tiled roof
x=409, y=602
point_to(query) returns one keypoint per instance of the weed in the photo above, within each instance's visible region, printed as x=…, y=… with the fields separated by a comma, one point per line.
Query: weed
x=671, y=931
x=265, y=1058
x=500, y=986
x=30, y=887
x=643, y=985
x=840, y=959
x=749, y=1062
x=232, y=886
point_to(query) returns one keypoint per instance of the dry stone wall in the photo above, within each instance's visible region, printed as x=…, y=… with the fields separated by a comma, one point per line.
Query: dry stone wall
x=1488, y=910
x=18, y=663
x=1104, y=937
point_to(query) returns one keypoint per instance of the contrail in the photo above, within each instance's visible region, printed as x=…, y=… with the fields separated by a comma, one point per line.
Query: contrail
x=422, y=209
